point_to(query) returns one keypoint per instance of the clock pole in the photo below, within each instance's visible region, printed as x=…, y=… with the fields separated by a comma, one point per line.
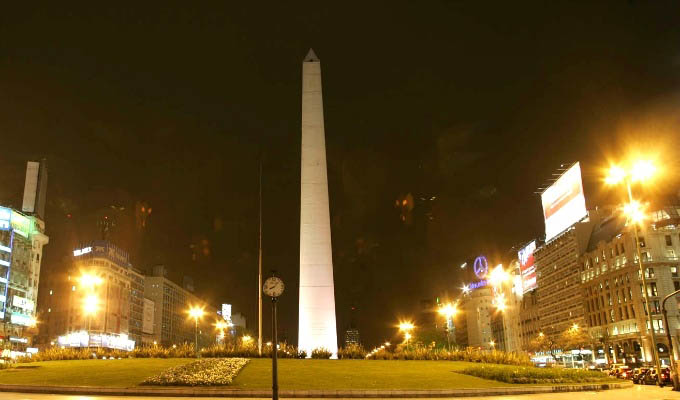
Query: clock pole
x=275, y=379
x=273, y=287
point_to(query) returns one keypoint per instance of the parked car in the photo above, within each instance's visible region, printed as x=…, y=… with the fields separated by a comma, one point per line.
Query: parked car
x=665, y=376
x=638, y=374
x=622, y=372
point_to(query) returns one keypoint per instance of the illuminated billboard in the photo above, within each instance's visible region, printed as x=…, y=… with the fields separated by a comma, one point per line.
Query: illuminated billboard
x=5, y=218
x=563, y=202
x=527, y=267
x=20, y=224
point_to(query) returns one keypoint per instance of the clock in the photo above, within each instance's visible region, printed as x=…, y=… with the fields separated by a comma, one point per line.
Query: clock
x=273, y=287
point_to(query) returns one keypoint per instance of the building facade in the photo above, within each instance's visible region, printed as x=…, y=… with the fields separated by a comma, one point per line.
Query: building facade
x=473, y=322
x=612, y=288
x=22, y=238
x=559, y=294
x=90, y=305
x=136, y=304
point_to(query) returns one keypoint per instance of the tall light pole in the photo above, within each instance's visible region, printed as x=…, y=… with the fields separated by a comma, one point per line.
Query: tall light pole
x=448, y=311
x=406, y=327
x=639, y=172
x=674, y=371
x=89, y=282
x=196, y=313
x=259, y=273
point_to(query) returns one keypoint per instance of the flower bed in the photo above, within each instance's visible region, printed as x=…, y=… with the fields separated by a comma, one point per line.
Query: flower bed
x=207, y=372
x=512, y=374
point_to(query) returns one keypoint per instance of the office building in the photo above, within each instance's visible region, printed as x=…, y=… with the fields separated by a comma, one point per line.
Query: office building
x=613, y=300
x=172, y=324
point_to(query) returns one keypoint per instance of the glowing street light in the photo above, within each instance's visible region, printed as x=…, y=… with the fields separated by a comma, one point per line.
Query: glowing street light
x=465, y=289
x=499, y=302
x=406, y=327
x=498, y=276
x=640, y=171
x=196, y=313
x=90, y=281
x=246, y=339
x=492, y=344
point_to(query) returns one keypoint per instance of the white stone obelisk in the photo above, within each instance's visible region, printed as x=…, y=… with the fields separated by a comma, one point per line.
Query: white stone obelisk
x=317, y=295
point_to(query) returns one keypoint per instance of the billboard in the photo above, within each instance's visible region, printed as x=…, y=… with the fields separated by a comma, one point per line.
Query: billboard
x=527, y=268
x=563, y=202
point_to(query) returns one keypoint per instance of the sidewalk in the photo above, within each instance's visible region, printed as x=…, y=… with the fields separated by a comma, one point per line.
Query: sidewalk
x=233, y=393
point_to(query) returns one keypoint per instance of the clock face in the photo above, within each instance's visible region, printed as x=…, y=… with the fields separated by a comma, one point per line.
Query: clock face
x=273, y=287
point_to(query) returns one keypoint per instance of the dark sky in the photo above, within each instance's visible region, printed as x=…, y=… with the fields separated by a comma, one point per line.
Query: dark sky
x=471, y=103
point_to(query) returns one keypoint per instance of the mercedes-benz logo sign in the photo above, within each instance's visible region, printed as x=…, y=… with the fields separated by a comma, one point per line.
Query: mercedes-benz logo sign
x=481, y=267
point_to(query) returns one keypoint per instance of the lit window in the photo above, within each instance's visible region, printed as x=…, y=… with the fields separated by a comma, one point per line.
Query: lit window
x=73, y=288
x=50, y=292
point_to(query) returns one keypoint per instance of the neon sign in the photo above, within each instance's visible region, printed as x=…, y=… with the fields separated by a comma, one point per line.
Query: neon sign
x=82, y=251
x=481, y=267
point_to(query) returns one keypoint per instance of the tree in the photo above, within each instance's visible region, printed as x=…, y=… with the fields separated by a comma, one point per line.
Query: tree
x=546, y=344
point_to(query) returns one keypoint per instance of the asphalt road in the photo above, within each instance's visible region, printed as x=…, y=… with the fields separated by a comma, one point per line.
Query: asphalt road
x=636, y=393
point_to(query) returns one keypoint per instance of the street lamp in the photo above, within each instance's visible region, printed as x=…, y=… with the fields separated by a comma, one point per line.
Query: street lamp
x=90, y=306
x=406, y=327
x=640, y=171
x=448, y=310
x=196, y=313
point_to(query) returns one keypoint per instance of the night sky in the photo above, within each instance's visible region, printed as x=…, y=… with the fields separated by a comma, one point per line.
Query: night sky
x=466, y=107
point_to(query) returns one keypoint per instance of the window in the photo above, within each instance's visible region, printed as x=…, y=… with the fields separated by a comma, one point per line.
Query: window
x=609, y=299
x=646, y=256
x=649, y=273
x=611, y=315
x=669, y=241
x=651, y=289
x=674, y=272
x=676, y=285
x=670, y=253
x=611, y=251
x=641, y=241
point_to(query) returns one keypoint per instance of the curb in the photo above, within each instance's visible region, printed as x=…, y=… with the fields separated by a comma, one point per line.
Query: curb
x=191, y=392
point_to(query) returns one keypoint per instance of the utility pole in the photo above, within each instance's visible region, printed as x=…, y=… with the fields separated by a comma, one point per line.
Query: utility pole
x=259, y=272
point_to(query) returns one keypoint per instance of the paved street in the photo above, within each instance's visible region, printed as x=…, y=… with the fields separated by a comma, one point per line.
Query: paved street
x=635, y=393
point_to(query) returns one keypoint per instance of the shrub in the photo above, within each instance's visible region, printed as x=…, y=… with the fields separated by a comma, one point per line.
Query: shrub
x=352, y=351
x=321, y=353
x=207, y=372
x=469, y=354
x=517, y=374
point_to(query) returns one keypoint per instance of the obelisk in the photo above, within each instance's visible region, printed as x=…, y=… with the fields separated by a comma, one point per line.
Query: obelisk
x=317, y=295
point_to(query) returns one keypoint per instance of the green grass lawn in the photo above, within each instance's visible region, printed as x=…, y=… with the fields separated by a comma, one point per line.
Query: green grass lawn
x=112, y=373
x=293, y=374
x=360, y=374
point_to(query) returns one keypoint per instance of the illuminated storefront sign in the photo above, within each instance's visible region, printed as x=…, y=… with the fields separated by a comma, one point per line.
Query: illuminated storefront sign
x=527, y=267
x=20, y=224
x=82, y=251
x=563, y=202
x=5, y=218
x=478, y=284
x=21, y=319
x=109, y=341
x=21, y=302
x=18, y=339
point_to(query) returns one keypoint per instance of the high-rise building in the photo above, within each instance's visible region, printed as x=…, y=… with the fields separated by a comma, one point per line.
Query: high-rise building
x=92, y=305
x=352, y=336
x=317, y=326
x=473, y=322
x=558, y=280
x=613, y=299
x=136, y=303
x=22, y=239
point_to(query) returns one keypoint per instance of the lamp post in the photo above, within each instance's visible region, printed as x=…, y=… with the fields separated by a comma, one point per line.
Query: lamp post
x=448, y=311
x=90, y=281
x=674, y=372
x=406, y=327
x=639, y=172
x=196, y=313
